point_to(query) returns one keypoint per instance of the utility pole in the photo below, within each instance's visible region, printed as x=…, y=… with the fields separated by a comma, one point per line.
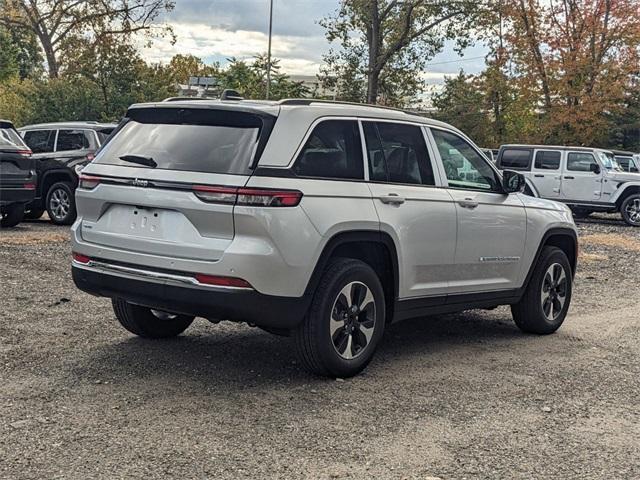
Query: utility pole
x=269, y=48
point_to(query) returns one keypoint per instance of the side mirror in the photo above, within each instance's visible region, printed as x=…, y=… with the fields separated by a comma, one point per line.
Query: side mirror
x=513, y=182
x=594, y=168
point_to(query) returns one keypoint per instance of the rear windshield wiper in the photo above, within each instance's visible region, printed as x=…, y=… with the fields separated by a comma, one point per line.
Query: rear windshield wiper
x=147, y=161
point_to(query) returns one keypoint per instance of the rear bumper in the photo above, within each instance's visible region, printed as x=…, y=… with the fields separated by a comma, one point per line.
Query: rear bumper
x=214, y=303
x=9, y=195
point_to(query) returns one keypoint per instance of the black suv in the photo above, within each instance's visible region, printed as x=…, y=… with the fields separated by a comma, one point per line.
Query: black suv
x=58, y=149
x=17, y=175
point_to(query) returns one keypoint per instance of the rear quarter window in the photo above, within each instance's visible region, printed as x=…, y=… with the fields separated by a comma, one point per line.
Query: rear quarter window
x=333, y=150
x=10, y=138
x=515, y=159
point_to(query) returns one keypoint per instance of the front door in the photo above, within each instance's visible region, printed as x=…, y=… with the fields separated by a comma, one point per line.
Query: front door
x=581, y=178
x=546, y=173
x=420, y=217
x=492, y=226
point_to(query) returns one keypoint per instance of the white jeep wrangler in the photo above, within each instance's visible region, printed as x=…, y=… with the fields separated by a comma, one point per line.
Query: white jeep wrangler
x=587, y=179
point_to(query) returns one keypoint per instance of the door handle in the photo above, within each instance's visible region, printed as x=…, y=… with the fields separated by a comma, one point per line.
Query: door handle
x=566, y=177
x=539, y=176
x=468, y=203
x=393, y=198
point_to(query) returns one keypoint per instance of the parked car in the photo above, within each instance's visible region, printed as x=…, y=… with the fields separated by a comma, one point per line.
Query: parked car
x=628, y=161
x=587, y=179
x=318, y=220
x=58, y=149
x=17, y=175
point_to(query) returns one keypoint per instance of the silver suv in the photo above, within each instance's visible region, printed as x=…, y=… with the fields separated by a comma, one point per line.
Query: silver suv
x=316, y=220
x=587, y=179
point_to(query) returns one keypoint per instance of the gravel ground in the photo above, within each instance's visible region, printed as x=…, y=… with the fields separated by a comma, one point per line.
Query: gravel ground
x=453, y=397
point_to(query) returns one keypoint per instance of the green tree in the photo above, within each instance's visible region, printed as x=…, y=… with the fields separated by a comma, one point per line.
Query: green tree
x=387, y=43
x=58, y=24
x=19, y=53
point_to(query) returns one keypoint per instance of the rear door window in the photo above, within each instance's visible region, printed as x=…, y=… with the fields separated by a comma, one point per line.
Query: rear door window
x=73, y=140
x=40, y=141
x=397, y=153
x=205, y=140
x=547, y=160
x=515, y=159
x=333, y=150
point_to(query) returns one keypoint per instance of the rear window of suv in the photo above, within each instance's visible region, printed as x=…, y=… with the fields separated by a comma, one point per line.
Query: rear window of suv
x=207, y=141
x=9, y=137
x=515, y=159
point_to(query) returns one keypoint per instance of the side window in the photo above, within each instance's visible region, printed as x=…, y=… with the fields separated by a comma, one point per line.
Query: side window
x=624, y=162
x=547, y=160
x=40, y=141
x=397, y=153
x=515, y=159
x=333, y=150
x=465, y=168
x=73, y=140
x=580, y=162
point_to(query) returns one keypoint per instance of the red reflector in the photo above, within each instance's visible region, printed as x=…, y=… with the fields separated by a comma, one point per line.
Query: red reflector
x=78, y=257
x=254, y=197
x=30, y=186
x=88, y=182
x=222, y=281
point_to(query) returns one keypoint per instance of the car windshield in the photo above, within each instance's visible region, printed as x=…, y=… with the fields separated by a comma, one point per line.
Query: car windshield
x=609, y=161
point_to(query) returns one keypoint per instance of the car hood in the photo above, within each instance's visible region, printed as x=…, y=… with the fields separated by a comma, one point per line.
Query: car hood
x=624, y=176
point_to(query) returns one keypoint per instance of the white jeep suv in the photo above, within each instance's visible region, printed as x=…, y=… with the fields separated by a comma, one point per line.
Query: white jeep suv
x=316, y=220
x=587, y=179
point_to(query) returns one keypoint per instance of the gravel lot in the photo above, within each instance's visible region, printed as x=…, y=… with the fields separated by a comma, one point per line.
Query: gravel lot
x=452, y=397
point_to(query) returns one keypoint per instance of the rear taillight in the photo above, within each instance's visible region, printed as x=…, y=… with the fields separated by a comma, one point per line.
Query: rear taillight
x=90, y=156
x=220, y=281
x=253, y=197
x=30, y=186
x=88, y=182
x=24, y=152
x=78, y=257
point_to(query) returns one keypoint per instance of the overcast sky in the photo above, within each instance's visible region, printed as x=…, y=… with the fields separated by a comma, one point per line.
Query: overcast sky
x=217, y=29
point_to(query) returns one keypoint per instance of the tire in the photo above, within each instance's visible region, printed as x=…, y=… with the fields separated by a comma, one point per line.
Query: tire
x=348, y=349
x=547, y=297
x=61, y=204
x=34, y=214
x=12, y=215
x=142, y=321
x=630, y=210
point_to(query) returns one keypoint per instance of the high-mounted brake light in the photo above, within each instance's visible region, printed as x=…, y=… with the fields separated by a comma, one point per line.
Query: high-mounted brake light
x=222, y=281
x=88, y=182
x=80, y=258
x=253, y=197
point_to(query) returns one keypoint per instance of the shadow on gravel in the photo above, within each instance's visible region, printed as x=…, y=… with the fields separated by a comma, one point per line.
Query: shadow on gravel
x=252, y=358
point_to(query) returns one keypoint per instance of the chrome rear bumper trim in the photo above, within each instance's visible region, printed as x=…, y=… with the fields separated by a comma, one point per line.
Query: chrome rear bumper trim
x=109, y=268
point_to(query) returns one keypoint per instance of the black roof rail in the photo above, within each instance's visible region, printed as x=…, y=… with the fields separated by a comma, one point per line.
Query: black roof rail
x=181, y=99
x=309, y=101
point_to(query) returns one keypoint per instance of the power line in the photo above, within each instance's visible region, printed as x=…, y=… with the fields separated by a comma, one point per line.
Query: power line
x=455, y=61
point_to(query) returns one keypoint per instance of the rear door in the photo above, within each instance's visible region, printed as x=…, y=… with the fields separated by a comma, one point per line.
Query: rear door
x=546, y=172
x=579, y=182
x=167, y=181
x=419, y=215
x=492, y=226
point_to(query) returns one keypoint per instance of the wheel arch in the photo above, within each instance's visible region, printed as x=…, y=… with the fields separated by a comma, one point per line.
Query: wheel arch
x=566, y=239
x=51, y=177
x=376, y=249
x=624, y=192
